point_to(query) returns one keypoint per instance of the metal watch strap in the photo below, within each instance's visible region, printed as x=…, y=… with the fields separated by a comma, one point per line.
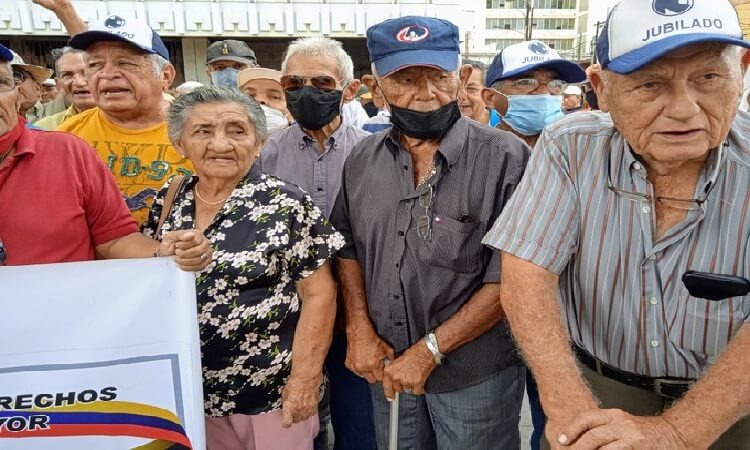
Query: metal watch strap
x=432, y=346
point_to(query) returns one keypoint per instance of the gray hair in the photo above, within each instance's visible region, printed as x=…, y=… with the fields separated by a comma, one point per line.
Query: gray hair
x=477, y=65
x=60, y=52
x=320, y=46
x=184, y=104
x=158, y=63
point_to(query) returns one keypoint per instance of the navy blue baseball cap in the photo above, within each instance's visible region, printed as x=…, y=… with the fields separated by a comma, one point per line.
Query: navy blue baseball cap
x=413, y=41
x=526, y=56
x=638, y=32
x=135, y=32
x=5, y=53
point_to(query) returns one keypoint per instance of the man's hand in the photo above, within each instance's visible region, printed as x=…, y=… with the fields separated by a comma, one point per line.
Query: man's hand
x=366, y=352
x=614, y=429
x=409, y=372
x=299, y=399
x=191, y=249
x=52, y=5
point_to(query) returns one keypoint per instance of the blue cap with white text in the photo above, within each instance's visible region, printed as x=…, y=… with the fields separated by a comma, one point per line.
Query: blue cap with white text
x=413, y=41
x=518, y=59
x=638, y=32
x=133, y=31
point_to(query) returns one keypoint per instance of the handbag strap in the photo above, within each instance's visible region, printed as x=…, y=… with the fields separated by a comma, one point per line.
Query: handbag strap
x=175, y=186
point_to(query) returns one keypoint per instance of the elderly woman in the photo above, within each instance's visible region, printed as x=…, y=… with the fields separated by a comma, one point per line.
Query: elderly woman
x=267, y=301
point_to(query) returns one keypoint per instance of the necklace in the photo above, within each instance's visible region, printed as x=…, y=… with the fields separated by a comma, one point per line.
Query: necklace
x=200, y=197
x=431, y=170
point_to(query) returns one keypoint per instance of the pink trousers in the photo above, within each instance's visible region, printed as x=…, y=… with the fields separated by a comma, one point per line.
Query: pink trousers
x=259, y=432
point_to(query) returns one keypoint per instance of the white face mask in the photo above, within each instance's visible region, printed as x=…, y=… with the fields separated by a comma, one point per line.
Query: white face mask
x=275, y=119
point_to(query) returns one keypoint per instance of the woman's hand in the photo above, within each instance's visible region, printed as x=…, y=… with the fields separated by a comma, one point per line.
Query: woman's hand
x=299, y=399
x=190, y=248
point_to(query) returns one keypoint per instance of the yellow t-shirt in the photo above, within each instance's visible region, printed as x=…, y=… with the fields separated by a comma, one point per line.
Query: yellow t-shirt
x=141, y=160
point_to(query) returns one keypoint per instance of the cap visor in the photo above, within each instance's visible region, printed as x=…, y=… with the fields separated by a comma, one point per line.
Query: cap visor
x=237, y=59
x=639, y=58
x=568, y=71
x=82, y=41
x=442, y=59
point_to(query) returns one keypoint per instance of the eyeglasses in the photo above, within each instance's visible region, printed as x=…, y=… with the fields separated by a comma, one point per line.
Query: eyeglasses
x=7, y=84
x=676, y=203
x=324, y=82
x=529, y=85
x=424, y=223
x=3, y=254
x=19, y=76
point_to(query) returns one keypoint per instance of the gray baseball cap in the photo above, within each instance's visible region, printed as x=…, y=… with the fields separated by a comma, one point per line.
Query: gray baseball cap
x=231, y=50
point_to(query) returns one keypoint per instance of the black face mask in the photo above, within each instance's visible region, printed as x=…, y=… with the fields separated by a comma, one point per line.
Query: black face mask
x=425, y=125
x=312, y=108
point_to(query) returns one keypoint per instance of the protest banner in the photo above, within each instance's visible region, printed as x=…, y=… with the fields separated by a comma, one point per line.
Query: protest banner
x=100, y=355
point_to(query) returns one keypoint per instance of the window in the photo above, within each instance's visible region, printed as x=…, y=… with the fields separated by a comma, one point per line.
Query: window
x=560, y=44
x=499, y=44
x=555, y=4
x=504, y=24
x=554, y=24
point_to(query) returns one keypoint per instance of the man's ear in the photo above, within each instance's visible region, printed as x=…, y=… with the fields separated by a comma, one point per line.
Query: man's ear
x=598, y=80
x=350, y=92
x=488, y=95
x=168, y=75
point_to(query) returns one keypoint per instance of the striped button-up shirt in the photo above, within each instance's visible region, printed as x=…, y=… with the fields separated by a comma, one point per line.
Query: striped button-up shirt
x=295, y=157
x=620, y=285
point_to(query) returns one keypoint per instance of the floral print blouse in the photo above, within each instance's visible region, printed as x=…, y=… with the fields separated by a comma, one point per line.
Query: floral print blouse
x=267, y=236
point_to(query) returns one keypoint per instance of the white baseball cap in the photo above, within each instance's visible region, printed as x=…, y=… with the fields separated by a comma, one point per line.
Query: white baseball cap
x=638, y=32
x=572, y=90
x=134, y=31
x=526, y=56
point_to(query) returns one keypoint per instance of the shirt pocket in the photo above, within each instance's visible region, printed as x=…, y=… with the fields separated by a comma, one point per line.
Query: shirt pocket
x=706, y=326
x=455, y=245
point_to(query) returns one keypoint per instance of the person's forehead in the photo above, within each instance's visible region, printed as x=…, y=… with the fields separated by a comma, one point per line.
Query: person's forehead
x=68, y=60
x=417, y=71
x=311, y=65
x=118, y=48
x=263, y=84
x=693, y=57
x=218, y=112
x=476, y=76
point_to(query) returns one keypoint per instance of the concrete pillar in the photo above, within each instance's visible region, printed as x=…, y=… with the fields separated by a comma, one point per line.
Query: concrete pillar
x=194, y=59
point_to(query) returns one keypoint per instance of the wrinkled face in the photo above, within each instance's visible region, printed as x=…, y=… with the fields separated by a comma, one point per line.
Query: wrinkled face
x=422, y=88
x=29, y=90
x=48, y=93
x=8, y=99
x=470, y=99
x=219, y=139
x=71, y=72
x=266, y=92
x=678, y=108
x=571, y=101
x=510, y=87
x=122, y=80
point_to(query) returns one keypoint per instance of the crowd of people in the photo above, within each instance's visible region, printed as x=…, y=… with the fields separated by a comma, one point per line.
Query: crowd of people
x=447, y=231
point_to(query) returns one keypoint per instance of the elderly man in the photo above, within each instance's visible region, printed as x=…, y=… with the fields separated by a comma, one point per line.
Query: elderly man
x=127, y=67
x=470, y=99
x=525, y=83
x=29, y=78
x=225, y=59
x=264, y=85
x=59, y=202
x=419, y=289
x=49, y=90
x=318, y=77
x=572, y=99
x=620, y=210
x=70, y=68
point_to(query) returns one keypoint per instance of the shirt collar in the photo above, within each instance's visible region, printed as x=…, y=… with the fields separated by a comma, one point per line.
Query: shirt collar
x=451, y=145
x=26, y=144
x=330, y=143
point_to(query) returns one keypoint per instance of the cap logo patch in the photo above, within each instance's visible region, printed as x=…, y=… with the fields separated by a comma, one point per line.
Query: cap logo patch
x=539, y=48
x=412, y=33
x=114, y=22
x=672, y=7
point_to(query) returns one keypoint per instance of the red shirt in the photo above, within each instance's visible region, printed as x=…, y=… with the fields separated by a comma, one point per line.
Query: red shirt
x=58, y=201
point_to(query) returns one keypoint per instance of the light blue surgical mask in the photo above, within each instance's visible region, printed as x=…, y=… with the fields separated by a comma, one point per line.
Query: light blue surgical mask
x=225, y=77
x=529, y=114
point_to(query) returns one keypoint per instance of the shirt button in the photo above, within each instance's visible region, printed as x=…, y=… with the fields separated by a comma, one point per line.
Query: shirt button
x=646, y=209
x=399, y=323
x=396, y=296
x=320, y=189
x=654, y=344
x=637, y=166
x=653, y=300
x=400, y=233
x=397, y=265
x=406, y=167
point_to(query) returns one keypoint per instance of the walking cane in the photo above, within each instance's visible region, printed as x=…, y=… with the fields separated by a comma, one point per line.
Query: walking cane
x=393, y=420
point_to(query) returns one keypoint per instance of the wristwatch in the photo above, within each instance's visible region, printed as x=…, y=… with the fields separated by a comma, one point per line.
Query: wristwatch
x=432, y=346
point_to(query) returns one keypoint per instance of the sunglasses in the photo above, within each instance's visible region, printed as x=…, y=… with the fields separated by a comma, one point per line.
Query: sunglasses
x=19, y=76
x=324, y=82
